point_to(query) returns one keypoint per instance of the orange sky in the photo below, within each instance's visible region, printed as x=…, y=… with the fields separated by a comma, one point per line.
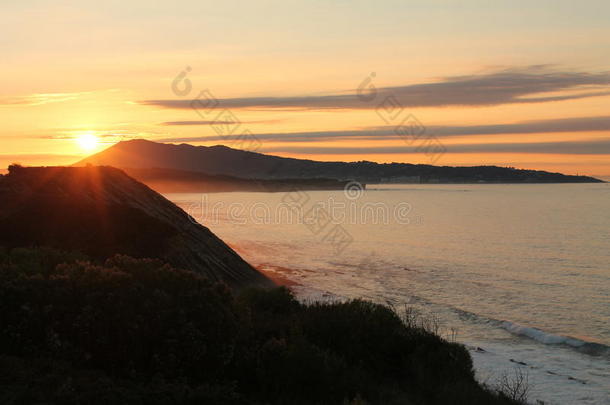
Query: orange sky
x=508, y=83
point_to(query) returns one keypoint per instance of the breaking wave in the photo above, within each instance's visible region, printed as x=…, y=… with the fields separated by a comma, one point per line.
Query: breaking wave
x=592, y=348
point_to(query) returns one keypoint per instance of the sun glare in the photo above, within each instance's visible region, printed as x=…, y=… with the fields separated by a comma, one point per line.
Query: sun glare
x=87, y=142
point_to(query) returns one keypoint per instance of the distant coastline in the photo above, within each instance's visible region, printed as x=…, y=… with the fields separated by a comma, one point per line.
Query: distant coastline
x=221, y=160
x=179, y=181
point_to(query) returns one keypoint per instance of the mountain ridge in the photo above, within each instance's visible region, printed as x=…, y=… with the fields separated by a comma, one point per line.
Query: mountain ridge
x=222, y=160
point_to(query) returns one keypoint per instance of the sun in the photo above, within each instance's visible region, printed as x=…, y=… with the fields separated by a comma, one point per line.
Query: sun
x=87, y=142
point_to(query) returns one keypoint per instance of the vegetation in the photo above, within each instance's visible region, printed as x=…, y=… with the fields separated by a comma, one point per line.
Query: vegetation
x=137, y=331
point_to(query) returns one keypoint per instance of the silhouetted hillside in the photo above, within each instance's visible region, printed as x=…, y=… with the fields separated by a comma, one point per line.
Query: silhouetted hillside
x=226, y=161
x=101, y=211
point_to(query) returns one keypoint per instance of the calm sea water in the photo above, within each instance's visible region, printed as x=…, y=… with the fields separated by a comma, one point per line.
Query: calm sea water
x=521, y=272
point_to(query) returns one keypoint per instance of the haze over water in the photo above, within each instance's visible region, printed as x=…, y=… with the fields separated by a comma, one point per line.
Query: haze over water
x=520, y=271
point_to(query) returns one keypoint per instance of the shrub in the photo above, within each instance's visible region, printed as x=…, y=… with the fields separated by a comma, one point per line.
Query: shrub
x=127, y=316
x=137, y=331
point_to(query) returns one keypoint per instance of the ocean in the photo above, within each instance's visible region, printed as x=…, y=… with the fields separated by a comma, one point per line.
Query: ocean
x=520, y=274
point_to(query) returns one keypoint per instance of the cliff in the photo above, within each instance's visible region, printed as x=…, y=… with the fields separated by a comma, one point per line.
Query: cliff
x=101, y=211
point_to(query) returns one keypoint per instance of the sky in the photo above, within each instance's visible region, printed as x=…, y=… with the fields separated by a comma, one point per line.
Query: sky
x=510, y=83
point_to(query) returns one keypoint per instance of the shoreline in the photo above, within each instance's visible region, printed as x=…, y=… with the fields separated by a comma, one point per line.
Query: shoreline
x=276, y=274
x=492, y=360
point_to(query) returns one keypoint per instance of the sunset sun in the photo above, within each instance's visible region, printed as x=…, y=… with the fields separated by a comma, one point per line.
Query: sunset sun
x=87, y=142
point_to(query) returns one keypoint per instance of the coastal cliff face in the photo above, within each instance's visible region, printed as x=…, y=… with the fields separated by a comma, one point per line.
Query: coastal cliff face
x=101, y=211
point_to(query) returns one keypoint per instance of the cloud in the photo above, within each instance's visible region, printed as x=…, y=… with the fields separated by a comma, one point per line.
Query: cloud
x=104, y=135
x=294, y=136
x=532, y=84
x=170, y=123
x=590, y=147
x=579, y=124
x=76, y=134
x=41, y=98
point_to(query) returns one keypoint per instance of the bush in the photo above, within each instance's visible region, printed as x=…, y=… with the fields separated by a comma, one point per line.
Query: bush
x=127, y=316
x=136, y=331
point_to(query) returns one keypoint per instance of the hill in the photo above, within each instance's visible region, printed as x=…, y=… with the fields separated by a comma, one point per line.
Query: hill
x=222, y=160
x=101, y=211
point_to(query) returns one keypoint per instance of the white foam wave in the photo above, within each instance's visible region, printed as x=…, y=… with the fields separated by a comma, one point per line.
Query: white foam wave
x=554, y=339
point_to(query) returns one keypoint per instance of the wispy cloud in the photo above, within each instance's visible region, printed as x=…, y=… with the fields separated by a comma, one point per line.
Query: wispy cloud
x=41, y=98
x=107, y=136
x=579, y=124
x=590, y=147
x=532, y=84
x=170, y=123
